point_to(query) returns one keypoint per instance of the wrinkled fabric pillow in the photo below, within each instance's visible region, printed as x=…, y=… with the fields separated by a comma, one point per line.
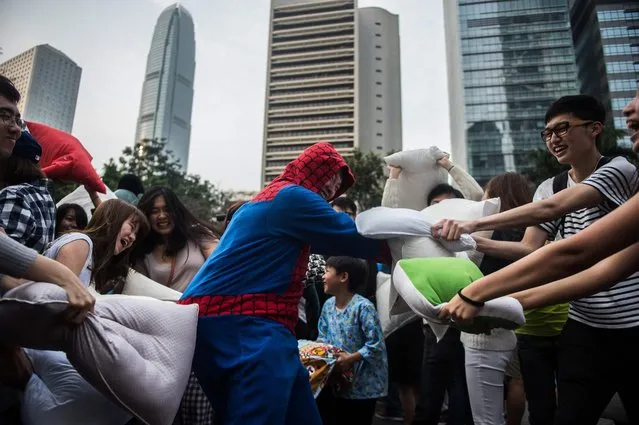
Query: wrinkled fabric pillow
x=64, y=158
x=420, y=174
x=390, y=323
x=56, y=394
x=138, y=284
x=81, y=197
x=427, y=284
x=137, y=351
x=319, y=359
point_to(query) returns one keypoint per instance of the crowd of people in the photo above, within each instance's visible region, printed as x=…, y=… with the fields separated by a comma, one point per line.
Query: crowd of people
x=290, y=265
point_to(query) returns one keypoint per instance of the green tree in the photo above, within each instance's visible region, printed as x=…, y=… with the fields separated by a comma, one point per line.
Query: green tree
x=545, y=165
x=368, y=169
x=156, y=166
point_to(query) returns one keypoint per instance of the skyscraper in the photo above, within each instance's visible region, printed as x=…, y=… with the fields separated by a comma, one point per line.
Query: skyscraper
x=48, y=81
x=323, y=57
x=167, y=94
x=517, y=57
x=606, y=34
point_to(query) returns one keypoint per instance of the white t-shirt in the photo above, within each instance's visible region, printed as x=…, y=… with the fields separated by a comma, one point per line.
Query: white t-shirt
x=617, y=307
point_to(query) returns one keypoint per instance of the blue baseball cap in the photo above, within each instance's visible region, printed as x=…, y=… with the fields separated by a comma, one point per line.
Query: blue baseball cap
x=27, y=147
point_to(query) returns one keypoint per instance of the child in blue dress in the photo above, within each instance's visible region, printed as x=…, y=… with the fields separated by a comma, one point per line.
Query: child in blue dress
x=350, y=322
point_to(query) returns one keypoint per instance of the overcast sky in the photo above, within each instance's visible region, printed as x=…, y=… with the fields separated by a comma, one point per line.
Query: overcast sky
x=110, y=40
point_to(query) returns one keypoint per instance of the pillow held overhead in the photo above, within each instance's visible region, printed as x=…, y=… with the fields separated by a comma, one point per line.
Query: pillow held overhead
x=64, y=157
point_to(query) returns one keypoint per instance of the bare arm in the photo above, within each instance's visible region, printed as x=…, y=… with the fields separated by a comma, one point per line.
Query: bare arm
x=533, y=239
x=572, y=199
x=208, y=246
x=599, y=277
x=74, y=255
x=611, y=234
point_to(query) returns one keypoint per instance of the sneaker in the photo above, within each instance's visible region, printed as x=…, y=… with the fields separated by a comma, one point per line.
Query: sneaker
x=386, y=416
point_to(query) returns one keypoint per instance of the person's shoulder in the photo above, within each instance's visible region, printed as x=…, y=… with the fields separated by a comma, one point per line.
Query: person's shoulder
x=294, y=190
x=619, y=163
x=363, y=303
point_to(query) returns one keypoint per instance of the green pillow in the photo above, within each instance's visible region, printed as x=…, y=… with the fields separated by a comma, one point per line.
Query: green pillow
x=439, y=279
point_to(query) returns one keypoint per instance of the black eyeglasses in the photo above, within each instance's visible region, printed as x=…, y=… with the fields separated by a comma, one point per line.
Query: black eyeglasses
x=561, y=129
x=9, y=118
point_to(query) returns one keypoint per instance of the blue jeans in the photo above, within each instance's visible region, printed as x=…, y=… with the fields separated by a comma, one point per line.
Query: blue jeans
x=443, y=369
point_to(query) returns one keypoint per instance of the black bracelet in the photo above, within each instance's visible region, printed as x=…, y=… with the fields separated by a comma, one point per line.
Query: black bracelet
x=469, y=301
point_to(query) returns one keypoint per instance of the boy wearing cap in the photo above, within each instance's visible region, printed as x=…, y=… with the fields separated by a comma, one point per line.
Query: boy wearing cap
x=27, y=209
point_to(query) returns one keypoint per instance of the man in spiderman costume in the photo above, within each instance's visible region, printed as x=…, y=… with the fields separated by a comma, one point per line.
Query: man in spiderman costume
x=246, y=357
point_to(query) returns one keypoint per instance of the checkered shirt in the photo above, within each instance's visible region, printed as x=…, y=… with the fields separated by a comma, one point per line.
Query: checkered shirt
x=195, y=408
x=27, y=214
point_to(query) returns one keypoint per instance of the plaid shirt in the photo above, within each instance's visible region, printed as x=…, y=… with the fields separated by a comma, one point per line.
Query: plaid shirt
x=27, y=214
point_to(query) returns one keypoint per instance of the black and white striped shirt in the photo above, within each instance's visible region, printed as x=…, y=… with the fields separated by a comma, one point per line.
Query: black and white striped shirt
x=617, y=307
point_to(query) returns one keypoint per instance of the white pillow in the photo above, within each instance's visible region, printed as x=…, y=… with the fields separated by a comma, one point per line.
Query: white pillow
x=389, y=323
x=81, y=197
x=137, y=351
x=138, y=284
x=420, y=174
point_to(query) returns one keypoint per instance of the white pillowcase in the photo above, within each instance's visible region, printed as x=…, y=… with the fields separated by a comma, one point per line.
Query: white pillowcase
x=137, y=351
x=420, y=174
x=138, y=284
x=382, y=296
x=81, y=197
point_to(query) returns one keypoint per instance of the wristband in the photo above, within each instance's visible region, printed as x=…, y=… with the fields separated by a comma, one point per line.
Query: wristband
x=469, y=301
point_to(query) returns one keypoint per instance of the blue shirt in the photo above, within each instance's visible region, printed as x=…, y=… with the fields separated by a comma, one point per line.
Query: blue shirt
x=357, y=329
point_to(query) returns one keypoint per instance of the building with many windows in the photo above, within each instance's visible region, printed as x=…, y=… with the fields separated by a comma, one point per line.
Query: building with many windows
x=167, y=93
x=606, y=35
x=516, y=58
x=323, y=57
x=48, y=81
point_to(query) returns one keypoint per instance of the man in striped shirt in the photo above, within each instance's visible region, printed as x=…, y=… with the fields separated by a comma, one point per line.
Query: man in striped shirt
x=594, y=359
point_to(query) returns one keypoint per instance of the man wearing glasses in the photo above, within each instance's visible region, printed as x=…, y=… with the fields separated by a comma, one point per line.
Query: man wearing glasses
x=11, y=124
x=565, y=205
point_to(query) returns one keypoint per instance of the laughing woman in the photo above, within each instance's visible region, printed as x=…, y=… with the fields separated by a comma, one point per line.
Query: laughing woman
x=54, y=393
x=172, y=253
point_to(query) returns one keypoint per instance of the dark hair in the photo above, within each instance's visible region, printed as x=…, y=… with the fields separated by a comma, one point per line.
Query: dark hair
x=186, y=228
x=132, y=183
x=230, y=212
x=81, y=218
x=8, y=90
x=356, y=269
x=581, y=106
x=109, y=271
x=345, y=204
x=512, y=188
x=443, y=189
x=18, y=170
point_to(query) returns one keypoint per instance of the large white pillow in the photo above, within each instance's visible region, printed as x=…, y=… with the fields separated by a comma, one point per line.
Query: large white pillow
x=138, y=284
x=390, y=323
x=81, y=197
x=420, y=174
x=137, y=351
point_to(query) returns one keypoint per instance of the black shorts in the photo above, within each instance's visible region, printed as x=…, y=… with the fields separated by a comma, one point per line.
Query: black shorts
x=405, y=348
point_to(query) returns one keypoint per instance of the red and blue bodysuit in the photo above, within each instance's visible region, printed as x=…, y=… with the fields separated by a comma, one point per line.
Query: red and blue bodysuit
x=246, y=356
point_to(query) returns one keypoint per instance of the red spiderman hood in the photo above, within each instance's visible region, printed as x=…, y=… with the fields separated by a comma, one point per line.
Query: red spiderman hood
x=313, y=169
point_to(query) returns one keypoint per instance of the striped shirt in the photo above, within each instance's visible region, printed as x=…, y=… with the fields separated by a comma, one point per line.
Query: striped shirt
x=617, y=307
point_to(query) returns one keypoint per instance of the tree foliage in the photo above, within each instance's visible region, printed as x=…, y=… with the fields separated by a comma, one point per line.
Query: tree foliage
x=368, y=169
x=156, y=166
x=546, y=166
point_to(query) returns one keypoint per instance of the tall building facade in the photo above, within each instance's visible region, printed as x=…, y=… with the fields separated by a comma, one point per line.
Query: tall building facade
x=167, y=93
x=517, y=57
x=48, y=81
x=319, y=66
x=379, y=84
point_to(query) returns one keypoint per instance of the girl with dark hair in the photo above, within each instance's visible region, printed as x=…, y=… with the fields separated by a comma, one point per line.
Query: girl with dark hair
x=100, y=255
x=177, y=246
x=179, y=243
x=69, y=218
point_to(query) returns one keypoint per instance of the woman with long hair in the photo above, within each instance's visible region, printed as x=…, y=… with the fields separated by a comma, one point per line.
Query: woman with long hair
x=100, y=256
x=490, y=357
x=177, y=245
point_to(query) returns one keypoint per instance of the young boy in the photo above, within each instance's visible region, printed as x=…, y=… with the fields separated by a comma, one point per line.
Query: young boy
x=350, y=322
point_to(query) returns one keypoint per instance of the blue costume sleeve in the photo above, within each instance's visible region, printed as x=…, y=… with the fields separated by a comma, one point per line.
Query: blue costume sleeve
x=372, y=329
x=304, y=215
